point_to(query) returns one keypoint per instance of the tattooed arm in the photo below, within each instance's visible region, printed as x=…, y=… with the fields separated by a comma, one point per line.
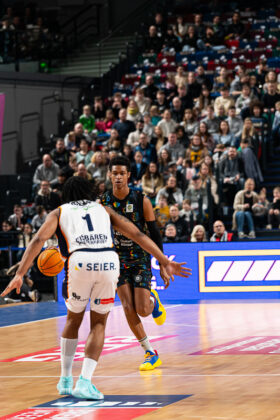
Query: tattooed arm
x=127, y=228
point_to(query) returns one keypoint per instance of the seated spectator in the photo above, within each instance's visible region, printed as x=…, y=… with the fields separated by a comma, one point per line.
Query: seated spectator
x=173, y=194
x=47, y=171
x=207, y=139
x=225, y=99
x=189, y=122
x=170, y=234
x=202, y=79
x=17, y=218
x=46, y=197
x=70, y=141
x=85, y=154
x=190, y=40
x=209, y=41
x=175, y=149
x=154, y=114
x=99, y=108
x=276, y=125
x=231, y=175
x=260, y=210
x=223, y=80
x=72, y=167
x=87, y=119
x=244, y=100
x=240, y=78
x=167, y=124
x=163, y=162
x=197, y=195
x=150, y=89
x=180, y=28
x=170, y=40
x=255, y=89
x=80, y=134
x=182, y=227
x=270, y=98
x=123, y=126
x=205, y=173
x=60, y=154
x=182, y=137
x=180, y=77
x=153, y=42
x=61, y=179
x=39, y=217
x=186, y=96
x=250, y=135
x=270, y=77
x=243, y=203
x=152, y=182
x=180, y=178
x=221, y=113
x=236, y=29
x=218, y=28
x=147, y=150
x=225, y=136
x=198, y=234
x=98, y=168
x=235, y=122
x=158, y=140
x=148, y=126
x=132, y=110
x=162, y=214
x=274, y=211
x=261, y=71
x=220, y=234
x=24, y=238
x=212, y=122
x=138, y=169
x=196, y=152
x=193, y=87
x=177, y=110
x=259, y=119
x=160, y=24
x=187, y=213
x=82, y=172
x=106, y=124
x=203, y=101
x=170, y=88
x=187, y=171
x=100, y=187
x=142, y=102
x=114, y=143
x=127, y=152
x=199, y=26
x=219, y=154
x=251, y=165
x=118, y=104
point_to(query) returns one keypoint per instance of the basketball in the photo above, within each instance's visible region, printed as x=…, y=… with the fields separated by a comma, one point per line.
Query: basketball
x=50, y=262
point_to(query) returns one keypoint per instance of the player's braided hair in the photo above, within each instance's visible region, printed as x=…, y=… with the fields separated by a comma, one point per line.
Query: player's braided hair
x=77, y=188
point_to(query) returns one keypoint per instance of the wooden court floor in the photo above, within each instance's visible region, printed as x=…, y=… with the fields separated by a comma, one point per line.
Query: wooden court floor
x=237, y=376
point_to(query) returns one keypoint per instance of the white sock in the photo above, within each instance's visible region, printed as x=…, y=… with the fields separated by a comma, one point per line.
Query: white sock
x=88, y=368
x=68, y=349
x=145, y=344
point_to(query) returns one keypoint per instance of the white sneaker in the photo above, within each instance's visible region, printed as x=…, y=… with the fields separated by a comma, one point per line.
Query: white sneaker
x=252, y=234
x=241, y=235
x=269, y=227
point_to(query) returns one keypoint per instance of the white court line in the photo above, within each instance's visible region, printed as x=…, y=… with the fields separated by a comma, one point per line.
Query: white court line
x=61, y=316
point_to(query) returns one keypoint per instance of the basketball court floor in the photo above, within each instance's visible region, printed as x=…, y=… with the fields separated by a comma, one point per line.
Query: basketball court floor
x=221, y=360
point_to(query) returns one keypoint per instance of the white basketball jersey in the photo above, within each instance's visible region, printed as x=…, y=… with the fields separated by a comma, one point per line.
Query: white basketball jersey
x=84, y=225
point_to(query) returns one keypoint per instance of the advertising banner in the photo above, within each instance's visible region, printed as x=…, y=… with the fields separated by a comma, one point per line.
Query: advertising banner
x=237, y=270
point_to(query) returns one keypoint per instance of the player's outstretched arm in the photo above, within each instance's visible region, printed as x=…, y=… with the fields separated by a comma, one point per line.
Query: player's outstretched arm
x=127, y=228
x=34, y=247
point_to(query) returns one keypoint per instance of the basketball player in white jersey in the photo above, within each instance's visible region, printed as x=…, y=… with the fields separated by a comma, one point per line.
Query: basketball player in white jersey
x=84, y=231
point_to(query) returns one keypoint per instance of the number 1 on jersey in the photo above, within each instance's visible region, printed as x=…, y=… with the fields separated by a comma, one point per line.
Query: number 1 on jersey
x=89, y=222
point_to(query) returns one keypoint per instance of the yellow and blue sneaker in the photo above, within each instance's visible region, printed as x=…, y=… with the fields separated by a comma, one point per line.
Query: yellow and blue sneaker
x=159, y=313
x=65, y=385
x=152, y=361
x=86, y=390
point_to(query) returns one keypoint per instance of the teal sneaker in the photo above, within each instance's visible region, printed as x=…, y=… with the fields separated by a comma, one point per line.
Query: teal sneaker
x=65, y=385
x=86, y=390
x=159, y=313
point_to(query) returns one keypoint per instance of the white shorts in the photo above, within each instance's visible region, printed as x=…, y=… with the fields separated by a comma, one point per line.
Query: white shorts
x=91, y=276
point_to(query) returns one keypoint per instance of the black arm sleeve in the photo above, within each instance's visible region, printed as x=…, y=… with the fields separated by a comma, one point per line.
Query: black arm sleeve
x=155, y=234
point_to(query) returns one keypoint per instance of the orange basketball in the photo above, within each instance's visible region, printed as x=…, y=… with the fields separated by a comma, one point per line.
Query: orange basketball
x=50, y=262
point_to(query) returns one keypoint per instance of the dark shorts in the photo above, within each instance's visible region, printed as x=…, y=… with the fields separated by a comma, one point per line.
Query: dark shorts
x=136, y=274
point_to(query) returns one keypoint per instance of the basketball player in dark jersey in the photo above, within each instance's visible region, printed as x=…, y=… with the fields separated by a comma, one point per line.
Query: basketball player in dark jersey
x=134, y=286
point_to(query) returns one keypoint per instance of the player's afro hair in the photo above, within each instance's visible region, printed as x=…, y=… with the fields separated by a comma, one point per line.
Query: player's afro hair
x=77, y=188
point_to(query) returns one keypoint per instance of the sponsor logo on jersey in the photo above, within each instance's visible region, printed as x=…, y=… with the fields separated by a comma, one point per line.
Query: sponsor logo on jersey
x=104, y=266
x=93, y=239
x=129, y=208
x=138, y=278
x=80, y=265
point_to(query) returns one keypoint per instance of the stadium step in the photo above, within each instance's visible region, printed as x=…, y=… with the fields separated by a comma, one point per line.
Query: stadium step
x=95, y=60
